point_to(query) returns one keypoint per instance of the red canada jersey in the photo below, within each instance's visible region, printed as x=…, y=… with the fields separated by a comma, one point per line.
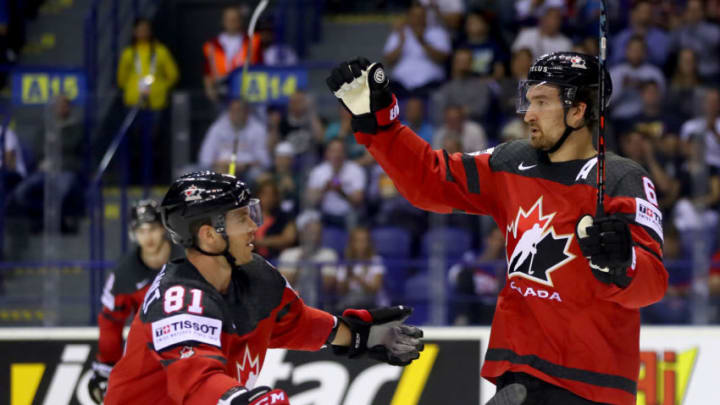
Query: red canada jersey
x=553, y=319
x=190, y=344
x=122, y=295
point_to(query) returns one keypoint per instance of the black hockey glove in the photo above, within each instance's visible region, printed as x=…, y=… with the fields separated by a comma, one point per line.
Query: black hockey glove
x=363, y=89
x=97, y=384
x=256, y=396
x=382, y=335
x=607, y=244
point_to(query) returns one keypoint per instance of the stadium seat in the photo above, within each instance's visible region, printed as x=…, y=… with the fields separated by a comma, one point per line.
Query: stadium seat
x=391, y=242
x=455, y=242
x=335, y=238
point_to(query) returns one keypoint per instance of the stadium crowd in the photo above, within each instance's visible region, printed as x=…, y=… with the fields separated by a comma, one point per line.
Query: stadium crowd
x=455, y=67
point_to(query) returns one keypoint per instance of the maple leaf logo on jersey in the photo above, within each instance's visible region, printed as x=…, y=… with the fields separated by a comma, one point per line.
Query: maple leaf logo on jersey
x=249, y=370
x=536, y=248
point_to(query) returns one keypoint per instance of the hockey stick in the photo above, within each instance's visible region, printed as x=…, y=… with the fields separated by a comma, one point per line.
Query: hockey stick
x=600, y=209
x=246, y=63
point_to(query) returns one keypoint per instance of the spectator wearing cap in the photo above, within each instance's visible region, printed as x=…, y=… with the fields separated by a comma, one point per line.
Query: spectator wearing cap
x=546, y=37
x=285, y=177
x=310, y=265
x=416, y=53
x=337, y=186
x=628, y=78
x=655, y=39
x=236, y=131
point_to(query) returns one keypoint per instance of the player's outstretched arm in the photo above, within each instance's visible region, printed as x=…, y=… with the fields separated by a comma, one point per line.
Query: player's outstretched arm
x=378, y=333
x=430, y=179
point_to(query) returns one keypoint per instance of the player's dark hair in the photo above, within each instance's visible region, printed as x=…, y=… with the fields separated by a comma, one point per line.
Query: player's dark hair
x=196, y=225
x=589, y=96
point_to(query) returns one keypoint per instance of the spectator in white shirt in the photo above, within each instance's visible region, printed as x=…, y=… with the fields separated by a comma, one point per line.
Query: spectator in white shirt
x=360, y=281
x=546, y=37
x=416, y=52
x=629, y=77
x=236, y=130
x=309, y=265
x=336, y=186
x=13, y=154
x=470, y=134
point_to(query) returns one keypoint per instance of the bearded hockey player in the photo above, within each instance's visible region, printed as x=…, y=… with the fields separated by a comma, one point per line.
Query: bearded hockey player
x=567, y=323
x=126, y=286
x=201, y=334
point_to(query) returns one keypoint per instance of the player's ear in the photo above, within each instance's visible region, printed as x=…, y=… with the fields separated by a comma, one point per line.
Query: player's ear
x=576, y=114
x=206, y=236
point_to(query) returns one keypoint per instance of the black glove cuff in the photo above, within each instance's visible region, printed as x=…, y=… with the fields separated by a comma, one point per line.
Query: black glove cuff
x=359, y=332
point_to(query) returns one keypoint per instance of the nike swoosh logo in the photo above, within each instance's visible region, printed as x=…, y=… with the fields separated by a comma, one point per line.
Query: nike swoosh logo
x=523, y=167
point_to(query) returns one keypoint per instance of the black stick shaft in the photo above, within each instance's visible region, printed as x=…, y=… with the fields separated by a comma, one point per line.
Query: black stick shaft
x=600, y=209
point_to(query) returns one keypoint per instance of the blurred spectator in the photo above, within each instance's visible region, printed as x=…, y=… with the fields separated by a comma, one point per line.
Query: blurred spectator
x=301, y=127
x=674, y=307
x=277, y=231
x=390, y=207
x=683, y=94
x=67, y=171
x=535, y=9
x=476, y=280
x=227, y=52
x=360, y=280
x=414, y=117
x=706, y=129
x=447, y=13
x=342, y=130
x=337, y=186
x=696, y=215
x=285, y=177
x=12, y=163
x=488, y=55
x=628, y=78
x=656, y=40
x=515, y=129
x=147, y=71
x=310, y=266
x=652, y=119
x=274, y=53
x=639, y=146
x=416, y=53
x=702, y=37
x=463, y=89
x=506, y=89
x=146, y=74
x=546, y=37
x=470, y=134
x=236, y=131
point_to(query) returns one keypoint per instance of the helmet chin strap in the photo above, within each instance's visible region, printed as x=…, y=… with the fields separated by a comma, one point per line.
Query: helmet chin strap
x=566, y=133
x=225, y=253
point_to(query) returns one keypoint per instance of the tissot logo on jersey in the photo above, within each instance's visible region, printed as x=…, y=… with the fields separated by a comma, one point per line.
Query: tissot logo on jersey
x=185, y=327
x=534, y=248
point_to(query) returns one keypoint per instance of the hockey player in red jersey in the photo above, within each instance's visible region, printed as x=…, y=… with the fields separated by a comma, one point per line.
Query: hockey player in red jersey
x=207, y=320
x=126, y=286
x=567, y=323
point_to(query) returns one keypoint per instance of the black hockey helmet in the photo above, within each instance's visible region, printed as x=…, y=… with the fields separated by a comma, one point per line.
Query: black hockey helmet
x=204, y=197
x=143, y=212
x=573, y=74
x=570, y=71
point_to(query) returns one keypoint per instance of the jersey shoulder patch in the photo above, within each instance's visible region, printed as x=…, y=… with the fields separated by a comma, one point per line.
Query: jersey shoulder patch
x=181, y=307
x=508, y=155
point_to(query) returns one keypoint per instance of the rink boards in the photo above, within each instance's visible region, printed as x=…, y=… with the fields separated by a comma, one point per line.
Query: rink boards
x=51, y=366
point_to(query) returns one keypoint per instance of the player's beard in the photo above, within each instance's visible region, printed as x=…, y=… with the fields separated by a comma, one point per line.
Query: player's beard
x=539, y=139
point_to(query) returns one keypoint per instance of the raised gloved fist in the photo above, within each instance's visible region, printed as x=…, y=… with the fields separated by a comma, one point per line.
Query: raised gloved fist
x=97, y=384
x=256, y=396
x=607, y=244
x=362, y=87
x=382, y=335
